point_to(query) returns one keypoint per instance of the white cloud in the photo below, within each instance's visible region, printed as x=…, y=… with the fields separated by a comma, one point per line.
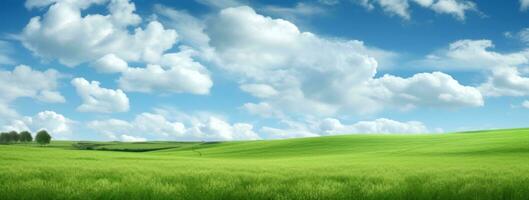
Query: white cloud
x=504, y=69
x=51, y=97
x=473, y=55
x=128, y=138
x=177, y=73
x=259, y=90
x=6, y=113
x=110, y=127
x=524, y=4
x=401, y=8
x=274, y=52
x=109, y=41
x=189, y=28
x=262, y=109
x=506, y=81
x=98, y=99
x=331, y=126
x=110, y=63
x=23, y=81
x=56, y=124
x=217, y=129
x=394, y=7
x=51, y=121
x=457, y=8
x=435, y=89
x=157, y=124
x=276, y=133
x=314, y=75
x=63, y=33
x=159, y=127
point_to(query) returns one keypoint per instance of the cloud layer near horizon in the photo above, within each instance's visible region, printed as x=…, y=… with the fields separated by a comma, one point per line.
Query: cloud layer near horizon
x=306, y=82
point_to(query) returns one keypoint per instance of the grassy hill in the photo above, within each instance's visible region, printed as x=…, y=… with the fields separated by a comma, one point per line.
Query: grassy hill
x=473, y=165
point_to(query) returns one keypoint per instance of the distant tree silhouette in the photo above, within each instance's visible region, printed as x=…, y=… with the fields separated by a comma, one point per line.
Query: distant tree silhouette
x=25, y=136
x=43, y=137
x=5, y=138
x=14, y=136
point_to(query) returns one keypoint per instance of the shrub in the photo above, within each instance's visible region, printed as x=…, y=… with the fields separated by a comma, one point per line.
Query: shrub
x=43, y=137
x=25, y=136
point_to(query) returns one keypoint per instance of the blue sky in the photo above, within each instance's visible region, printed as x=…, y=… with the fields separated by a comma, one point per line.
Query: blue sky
x=137, y=70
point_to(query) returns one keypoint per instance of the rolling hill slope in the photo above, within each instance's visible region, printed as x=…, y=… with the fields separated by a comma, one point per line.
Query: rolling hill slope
x=469, y=143
x=474, y=165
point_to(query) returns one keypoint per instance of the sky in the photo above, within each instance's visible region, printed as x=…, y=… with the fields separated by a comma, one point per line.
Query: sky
x=216, y=70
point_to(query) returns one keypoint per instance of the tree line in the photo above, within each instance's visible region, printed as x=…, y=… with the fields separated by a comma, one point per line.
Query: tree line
x=42, y=137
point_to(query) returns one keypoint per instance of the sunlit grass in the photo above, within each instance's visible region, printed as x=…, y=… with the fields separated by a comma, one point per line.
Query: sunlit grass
x=483, y=165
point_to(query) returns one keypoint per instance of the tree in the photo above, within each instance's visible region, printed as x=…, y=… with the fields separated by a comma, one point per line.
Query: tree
x=25, y=136
x=5, y=138
x=43, y=137
x=14, y=136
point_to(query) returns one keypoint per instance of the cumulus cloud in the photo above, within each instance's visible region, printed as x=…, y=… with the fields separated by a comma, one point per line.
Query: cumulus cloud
x=506, y=81
x=277, y=133
x=332, y=126
x=110, y=63
x=473, y=55
x=425, y=89
x=63, y=33
x=109, y=41
x=274, y=52
x=401, y=8
x=56, y=124
x=110, y=127
x=128, y=138
x=259, y=90
x=98, y=99
x=190, y=29
x=177, y=73
x=23, y=81
x=157, y=126
x=308, y=74
x=262, y=109
x=504, y=69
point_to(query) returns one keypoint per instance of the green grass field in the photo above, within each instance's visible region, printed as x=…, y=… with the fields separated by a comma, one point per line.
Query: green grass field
x=477, y=165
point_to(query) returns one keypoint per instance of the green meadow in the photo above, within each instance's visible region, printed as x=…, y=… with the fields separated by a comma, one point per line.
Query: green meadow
x=471, y=165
